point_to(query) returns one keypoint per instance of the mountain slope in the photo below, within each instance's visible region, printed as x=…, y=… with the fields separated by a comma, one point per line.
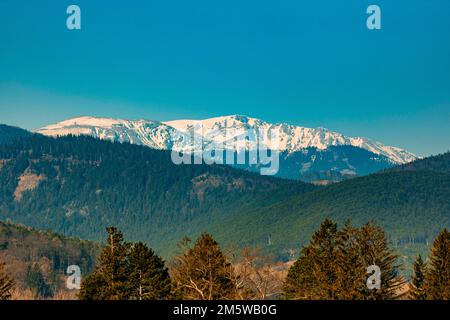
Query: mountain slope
x=407, y=204
x=153, y=134
x=79, y=185
x=8, y=133
x=412, y=205
x=334, y=164
x=21, y=247
x=307, y=154
x=439, y=163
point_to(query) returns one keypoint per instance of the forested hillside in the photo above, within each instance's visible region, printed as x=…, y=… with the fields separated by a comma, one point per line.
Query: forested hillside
x=9, y=134
x=78, y=186
x=439, y=163
x=412, y=205
x=38, y=260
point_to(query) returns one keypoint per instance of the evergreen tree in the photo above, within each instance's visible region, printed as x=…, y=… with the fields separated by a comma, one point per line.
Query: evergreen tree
x=334, y=265
x=351, y=271
x=438, y=272
x=203, y=272
x=6, y=284
x=109, y=279
x=127, y=271
x=417, y=289
x=313, y=275
x=93, y=287
x=375, y=250
x=148, y=277
x=300, y=277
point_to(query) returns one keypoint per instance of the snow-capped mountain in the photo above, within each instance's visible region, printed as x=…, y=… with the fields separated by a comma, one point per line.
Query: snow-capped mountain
x=305, y=152
x=290, y=138
x=153, y=134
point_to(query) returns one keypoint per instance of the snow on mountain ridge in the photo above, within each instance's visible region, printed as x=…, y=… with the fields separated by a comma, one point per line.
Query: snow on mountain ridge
x=292, y=138
x=151, y=133
x=86, y=121
x=175, y=135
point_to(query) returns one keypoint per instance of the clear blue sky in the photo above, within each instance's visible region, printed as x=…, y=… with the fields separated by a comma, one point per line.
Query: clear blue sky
x=311, y=63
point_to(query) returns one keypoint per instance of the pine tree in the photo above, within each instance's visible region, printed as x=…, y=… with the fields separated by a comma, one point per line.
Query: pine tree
x=375, y=250
x=203, y=272
x=437, y=277
x=109, y=279
x=149, y=278
x=417, y=289
x=313, y=275
x=300, y=278
x=93, y=287
x=6, y=284
x=334, y=265
x=127, y=271
x=351, y=272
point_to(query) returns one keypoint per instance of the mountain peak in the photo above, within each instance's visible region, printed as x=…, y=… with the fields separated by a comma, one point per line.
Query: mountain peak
x=226, y=121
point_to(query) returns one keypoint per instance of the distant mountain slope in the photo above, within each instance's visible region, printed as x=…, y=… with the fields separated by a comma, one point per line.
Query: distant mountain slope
x=79, y=185
x=22, y=247
x=439, y=163
x=334, y=164
x=8, y=133
x=412, y=205
x=306, y=153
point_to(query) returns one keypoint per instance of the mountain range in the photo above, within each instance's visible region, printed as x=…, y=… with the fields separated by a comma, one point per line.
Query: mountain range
x=308, y=154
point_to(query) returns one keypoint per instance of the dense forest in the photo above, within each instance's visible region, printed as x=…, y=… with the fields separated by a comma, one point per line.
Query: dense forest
x=9, y=134
x=78, y=186
x=439, y=163
x=412, y=206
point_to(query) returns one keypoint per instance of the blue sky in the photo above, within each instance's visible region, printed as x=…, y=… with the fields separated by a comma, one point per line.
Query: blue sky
x=311, y=63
